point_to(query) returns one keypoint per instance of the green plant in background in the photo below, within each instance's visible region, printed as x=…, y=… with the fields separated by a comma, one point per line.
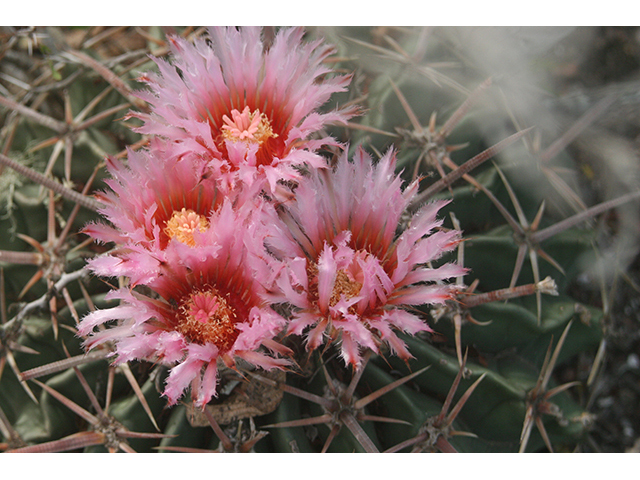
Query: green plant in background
x=482, y=381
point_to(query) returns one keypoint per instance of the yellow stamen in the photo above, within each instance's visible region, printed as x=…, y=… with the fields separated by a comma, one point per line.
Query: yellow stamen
x=247, y=126
x=183, y=224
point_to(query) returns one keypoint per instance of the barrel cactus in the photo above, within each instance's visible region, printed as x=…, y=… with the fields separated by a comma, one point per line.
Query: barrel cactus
x=289, y=240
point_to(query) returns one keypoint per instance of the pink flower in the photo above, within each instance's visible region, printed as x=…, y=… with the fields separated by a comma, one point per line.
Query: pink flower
x=344, y=268
x=209, y=306
x=157, y=196
x=249, y=110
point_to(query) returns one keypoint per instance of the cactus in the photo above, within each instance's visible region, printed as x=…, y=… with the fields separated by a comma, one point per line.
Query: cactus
x=481, y=377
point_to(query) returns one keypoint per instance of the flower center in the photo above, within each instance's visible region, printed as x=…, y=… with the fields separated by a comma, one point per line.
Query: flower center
x=182, y=224
x=206, y=317
x=247, y=126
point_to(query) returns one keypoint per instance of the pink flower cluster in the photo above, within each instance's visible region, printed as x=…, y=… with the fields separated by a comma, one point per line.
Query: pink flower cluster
x=231, y=210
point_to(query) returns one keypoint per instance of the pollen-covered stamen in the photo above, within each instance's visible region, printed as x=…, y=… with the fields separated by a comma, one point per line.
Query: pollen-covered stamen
x=207, y=317
x=247, y=126
x=183, y=224
x=344, y=285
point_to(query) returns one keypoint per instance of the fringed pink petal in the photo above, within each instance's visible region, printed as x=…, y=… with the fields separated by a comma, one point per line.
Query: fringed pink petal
x=449, y=270
x=180, y=377
x=350, y=351
x=421, y=295
x=300, y=322
x=316, y=335
x=263, y=361
x=137, y=346
x=433, y=247
x=103, y=233
x=207, y=386
x=276, y=347
x=262, y=323
x=405, y=321
x=359, y=333
x=114, y=334
x=326, y=277
x=98, y=317
x=386, y=334
x=189, y=370
x=171, y=346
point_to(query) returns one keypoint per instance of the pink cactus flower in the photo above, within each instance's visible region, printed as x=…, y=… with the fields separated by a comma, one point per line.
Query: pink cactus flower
x=247, y=109
x=209, y=306
x=157, y=196
x=348, y=274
